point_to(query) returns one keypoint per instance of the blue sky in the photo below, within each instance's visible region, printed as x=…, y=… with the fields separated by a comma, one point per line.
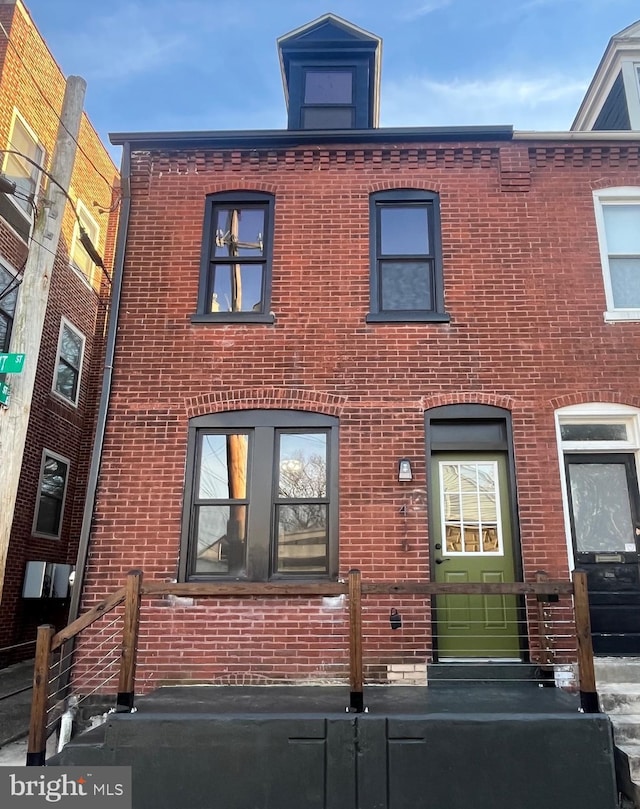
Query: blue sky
x=155, y=65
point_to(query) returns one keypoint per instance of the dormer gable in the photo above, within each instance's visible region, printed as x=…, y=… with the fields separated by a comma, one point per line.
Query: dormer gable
x=612, y=101
x=331, y=75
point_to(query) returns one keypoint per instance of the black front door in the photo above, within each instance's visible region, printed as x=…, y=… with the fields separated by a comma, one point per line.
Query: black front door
x=604, y=510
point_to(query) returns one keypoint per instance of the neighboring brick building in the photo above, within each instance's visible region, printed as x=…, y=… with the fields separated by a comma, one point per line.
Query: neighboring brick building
x=49, y=508
x=358, y=297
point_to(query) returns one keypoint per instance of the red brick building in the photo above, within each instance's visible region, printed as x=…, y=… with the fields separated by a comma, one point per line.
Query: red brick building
x=410, y=351
x=49, y=509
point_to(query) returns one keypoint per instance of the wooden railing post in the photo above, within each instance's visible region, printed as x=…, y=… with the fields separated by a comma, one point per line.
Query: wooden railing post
x=126, y=683
x=356, y=697
x=588, y=691
x=37, y=744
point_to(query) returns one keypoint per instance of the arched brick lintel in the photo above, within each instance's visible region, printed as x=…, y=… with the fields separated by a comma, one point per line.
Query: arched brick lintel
x=587, y=396
x=467, y=397
x=265, y=399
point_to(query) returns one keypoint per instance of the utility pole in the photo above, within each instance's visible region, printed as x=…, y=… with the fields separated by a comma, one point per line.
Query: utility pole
x=30, y=312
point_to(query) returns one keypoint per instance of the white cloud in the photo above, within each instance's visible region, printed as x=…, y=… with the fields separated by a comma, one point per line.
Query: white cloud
x=543, y=102
x=424, y=8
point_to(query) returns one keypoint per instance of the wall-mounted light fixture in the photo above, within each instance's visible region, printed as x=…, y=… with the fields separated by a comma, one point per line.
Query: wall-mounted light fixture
x=404, y=470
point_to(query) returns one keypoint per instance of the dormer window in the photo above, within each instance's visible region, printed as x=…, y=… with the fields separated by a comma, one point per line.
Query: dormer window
x=331, y=74
x=328, y=99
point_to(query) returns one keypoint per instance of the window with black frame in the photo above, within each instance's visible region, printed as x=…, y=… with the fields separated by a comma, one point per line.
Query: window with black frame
x=261, y=496
x=406, y=257
x=235, y=269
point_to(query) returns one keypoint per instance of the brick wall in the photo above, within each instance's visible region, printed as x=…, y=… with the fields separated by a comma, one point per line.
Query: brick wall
x=32, y=83
x=523, y=286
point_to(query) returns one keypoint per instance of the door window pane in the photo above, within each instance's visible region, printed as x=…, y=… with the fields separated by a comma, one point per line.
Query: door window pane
x=593, y=432
x=601, y=507
x=470, y=511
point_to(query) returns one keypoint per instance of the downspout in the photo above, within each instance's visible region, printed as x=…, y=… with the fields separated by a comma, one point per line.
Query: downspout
x=96, y=453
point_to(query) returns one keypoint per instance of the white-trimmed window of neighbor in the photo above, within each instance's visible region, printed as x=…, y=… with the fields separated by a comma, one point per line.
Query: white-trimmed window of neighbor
x=78, y=256
x=21, y=163
x=52, y=491
x=66, y=380
x=618, y=222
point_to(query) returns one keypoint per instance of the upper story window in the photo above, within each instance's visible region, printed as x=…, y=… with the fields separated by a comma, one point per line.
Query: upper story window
x=618, y=223
x=328, y=101
x=235, y=269
x=78, y=256
x=406, y=257
x=261, y=496
x=8, y=299
x=52, y=491
x=66, y=381
x=18, y=168
x=21, y=164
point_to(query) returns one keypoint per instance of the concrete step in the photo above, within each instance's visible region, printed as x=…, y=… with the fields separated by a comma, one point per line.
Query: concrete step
x=620, y=698
x=617, y=670
x=626, y=728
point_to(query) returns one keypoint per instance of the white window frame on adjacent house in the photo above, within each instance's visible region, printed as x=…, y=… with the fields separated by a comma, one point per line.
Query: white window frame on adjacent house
x=46, y=453
x=65, y=324
x=79, y=259
x=35, y=173
x=605, y=197
x=594, y=413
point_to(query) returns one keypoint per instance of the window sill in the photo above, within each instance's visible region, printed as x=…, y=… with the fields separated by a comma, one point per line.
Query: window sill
x=235, y=317
x=408, y=317
x=64, y=400
x=620, y=315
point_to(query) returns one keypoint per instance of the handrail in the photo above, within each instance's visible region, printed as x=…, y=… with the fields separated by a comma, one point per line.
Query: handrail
x=354, y=587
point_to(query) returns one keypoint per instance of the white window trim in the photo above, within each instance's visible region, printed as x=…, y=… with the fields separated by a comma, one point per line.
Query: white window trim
x=65, y=323
x=27, y=214
x=621, y=195
x=590, y=413
x=34, y=532
x=75, y=240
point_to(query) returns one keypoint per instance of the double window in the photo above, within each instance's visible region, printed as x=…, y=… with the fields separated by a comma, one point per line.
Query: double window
x=406, y=257
x=618, y=222
x=66, y=381
x=261, y=496
x=235, y=269
x=52, y=490
x=79, y=259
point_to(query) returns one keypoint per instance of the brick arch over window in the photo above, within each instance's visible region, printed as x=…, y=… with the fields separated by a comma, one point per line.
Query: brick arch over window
x=630, y=180
x=242, y=186
x=601, y=396
x=470, y=397
x=265, y=399
x=435, y=186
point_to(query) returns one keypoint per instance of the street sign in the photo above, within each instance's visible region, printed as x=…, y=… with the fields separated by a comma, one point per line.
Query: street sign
x=11, y=363
x=5, y=393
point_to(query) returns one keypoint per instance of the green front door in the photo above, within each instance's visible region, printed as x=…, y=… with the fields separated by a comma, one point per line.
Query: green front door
x=472, y=541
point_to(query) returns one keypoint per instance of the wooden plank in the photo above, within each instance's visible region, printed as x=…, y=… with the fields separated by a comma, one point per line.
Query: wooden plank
x=126, y=682
x=88, y=618
x=37, y=744
x=214, y=589
x=467, y=588
x=588, y=692
x=355, y=641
